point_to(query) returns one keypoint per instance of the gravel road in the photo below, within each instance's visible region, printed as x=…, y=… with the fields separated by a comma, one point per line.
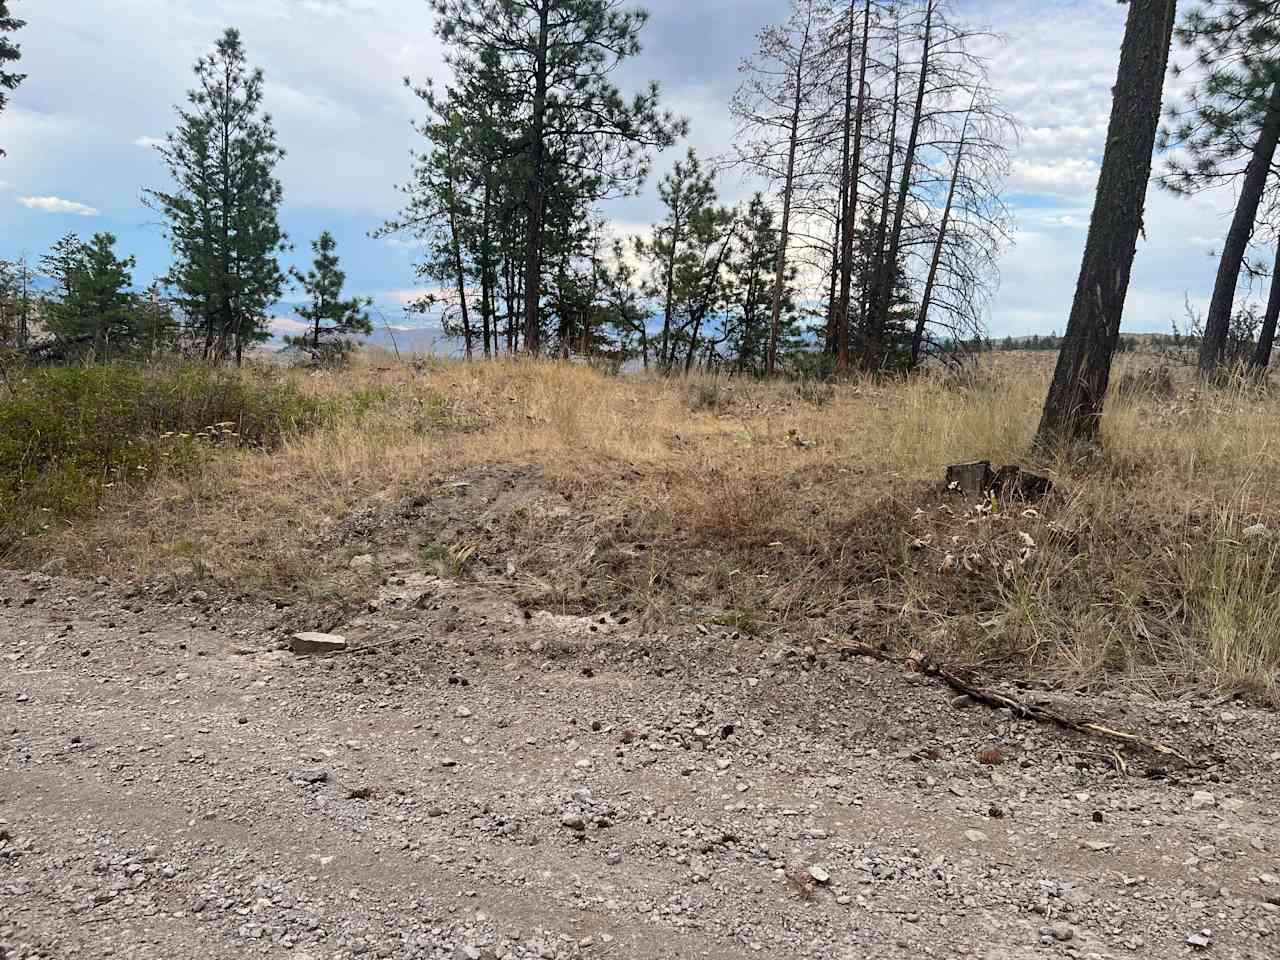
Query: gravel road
x=471, y=781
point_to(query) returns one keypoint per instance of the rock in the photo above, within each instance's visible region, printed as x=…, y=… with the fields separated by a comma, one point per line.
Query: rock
x=1200, y=941
x=466, y=952
x=448, y=762
x=1256, y=531
x=574, y=821
x=363, y=561
x=613, y=858
x=310, y=643
x=312, y=775
x=975, y=836
x=819, y=874
x=462, y=713
x=1203, y=800
x=1269, y=878
x=1097, y=846
x=1062, y=932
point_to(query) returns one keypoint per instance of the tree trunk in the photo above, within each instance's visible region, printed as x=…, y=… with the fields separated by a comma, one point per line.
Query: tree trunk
x=1218, y=321
x=486, y=272
x=873, y=321
x=1267, y=335
x=1073, y=408
x=884, y=301
x=536, y=189
x=922, y=318
x=780, y=270
x=851, y=172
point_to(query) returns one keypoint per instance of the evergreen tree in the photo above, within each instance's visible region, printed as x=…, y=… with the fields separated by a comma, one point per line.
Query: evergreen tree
x=10, y=52
x=98, y=308
x=572, y=127
x=1228, y=132
x=60, y=263
x=332, y=319
x=751, y=277
x=222, y=215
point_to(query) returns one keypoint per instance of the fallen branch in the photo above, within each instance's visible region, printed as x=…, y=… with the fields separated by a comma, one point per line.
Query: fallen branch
x=922, y=663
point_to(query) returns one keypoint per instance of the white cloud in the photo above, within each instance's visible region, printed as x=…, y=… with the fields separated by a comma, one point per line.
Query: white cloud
x=58, y=205
x=149, y=143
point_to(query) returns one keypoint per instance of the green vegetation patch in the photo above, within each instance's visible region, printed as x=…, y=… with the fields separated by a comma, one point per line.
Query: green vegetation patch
x=68, y=434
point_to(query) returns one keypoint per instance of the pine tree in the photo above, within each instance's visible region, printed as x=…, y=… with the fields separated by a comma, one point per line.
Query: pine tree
x=751, y=277
x=332, y=319
x=1228, y=132
x=99, y=307
x=574, y=126
x=1073, y=407
x=10, y=52
x=223, y=214
x=61, y=262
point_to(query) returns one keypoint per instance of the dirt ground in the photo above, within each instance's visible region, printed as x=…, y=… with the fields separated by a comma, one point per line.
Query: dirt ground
x=476, y=780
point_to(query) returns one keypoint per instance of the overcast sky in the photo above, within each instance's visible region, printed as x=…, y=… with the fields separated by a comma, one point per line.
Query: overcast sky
x=104, y=79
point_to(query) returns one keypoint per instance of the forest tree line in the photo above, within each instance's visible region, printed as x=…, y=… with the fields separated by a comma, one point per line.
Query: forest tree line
x=871, y=127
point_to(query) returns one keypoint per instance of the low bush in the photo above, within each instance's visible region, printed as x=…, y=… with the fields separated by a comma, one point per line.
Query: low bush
x=67, y=434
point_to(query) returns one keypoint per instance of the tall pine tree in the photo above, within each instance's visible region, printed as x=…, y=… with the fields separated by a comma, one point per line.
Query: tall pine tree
x=573, y=131
x=10, y=52
x=222, y=215
x=1228, y=132
x=98, y=310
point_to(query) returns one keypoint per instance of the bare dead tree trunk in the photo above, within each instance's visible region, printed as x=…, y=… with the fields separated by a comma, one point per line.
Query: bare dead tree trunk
x=884, y=300
x=851, y=175
x=1267, y=335
x=1073, y=408
x=922, y=318
x=1217, y=321
x=780, y=271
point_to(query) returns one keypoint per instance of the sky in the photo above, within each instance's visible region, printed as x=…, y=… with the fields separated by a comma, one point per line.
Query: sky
x=104, y=80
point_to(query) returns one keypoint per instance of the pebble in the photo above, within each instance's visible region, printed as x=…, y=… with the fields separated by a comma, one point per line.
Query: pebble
x=462, y=712
x=976, y=836
x=1203, y=800
x=819, y=874
x=1200, y=941
x=573, y=821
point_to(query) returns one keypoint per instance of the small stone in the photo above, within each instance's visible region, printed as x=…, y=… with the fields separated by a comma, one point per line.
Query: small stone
x=819, y=874
x=613, y=858
x=975, y=836
x=723, y=763
x=1201, y=941
x=1255, y=531
x=1062, y=932
x=466, y=951
x=1269, y=878
x=1203, y=800
x=311, y=642
x=1097, y=846
x=573, y=821
x=362, y=561
x=462, y=712
x=312, y=775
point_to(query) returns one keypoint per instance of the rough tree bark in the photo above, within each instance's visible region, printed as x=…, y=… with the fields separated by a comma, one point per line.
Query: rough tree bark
x=1073, y=408
x=1217, y=322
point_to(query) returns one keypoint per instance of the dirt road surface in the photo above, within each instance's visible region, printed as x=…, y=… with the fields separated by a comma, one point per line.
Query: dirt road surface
x=471, y=781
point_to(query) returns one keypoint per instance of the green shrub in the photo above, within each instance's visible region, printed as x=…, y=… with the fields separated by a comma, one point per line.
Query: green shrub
x=67, y=434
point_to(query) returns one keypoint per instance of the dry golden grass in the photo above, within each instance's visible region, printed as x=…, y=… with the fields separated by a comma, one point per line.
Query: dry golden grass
x=805, y=509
